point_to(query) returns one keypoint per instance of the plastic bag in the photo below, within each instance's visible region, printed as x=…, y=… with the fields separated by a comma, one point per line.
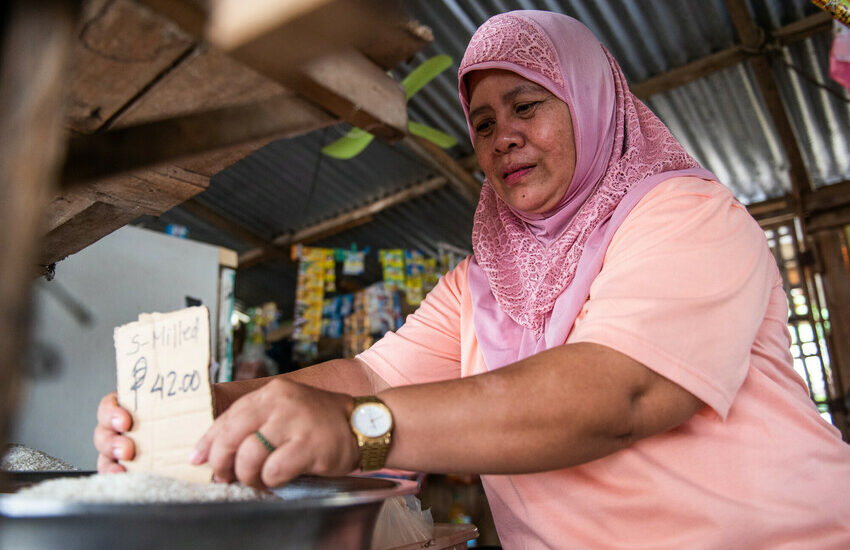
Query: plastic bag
x=839, y=56
x=401, y=521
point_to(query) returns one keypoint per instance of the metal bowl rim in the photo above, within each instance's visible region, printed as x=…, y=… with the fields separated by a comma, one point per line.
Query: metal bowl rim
x=41, y=508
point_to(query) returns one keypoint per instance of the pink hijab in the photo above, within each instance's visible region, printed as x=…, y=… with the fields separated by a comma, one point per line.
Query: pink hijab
x=531, y=273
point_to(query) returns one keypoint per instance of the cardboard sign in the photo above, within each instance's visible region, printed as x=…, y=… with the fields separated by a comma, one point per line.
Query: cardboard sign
x=163, y=380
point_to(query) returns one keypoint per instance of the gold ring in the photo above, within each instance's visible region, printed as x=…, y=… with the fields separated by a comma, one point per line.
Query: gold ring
x=269, y=447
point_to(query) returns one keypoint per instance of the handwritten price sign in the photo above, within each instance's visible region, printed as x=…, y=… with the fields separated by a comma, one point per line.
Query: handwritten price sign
x=163, y=380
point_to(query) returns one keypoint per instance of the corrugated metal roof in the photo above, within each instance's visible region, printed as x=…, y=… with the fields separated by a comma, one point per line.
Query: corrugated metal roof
x=721, y=119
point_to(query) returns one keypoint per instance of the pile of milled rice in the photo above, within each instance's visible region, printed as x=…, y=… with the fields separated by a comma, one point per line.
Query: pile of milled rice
x=138, y=488
x=18, y=458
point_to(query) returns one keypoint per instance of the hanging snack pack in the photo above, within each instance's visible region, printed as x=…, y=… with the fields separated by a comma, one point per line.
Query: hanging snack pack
x=392, y=262
x=309, y=295
x=354, y=262
x=413, y=282
x=430, y=274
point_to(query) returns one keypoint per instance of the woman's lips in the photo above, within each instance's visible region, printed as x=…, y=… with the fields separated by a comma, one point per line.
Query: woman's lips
x=515, y=173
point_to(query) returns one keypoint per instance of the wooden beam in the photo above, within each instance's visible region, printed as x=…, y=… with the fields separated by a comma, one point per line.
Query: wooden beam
x=398, y=42
x=470, y=164
x=399, y=38
x=822, y=204
x=685, y=74
x=36, y=39
x=771, y=208
x=235, y=23
x=311, y=47
x=92, y=224
x=802, y=29
x=150, y=192
x=190, y=15
x=95, y=157
x=704, y=66
x=339, y=223
x=207, y=214
x=835, y=274
x=357, y=90
x=832, y=219
x=752, y=38
x=829, y=197
x=460, y=179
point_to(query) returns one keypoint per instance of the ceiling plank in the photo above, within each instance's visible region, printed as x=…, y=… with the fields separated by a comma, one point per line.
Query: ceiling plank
x=122, y=47
x=342, y=221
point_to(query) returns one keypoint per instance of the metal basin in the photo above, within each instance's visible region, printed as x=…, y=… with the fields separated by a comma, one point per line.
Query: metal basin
x=314, y=513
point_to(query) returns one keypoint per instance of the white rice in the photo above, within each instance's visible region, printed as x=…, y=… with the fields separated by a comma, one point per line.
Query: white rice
x=19, y=458
x=138, y=488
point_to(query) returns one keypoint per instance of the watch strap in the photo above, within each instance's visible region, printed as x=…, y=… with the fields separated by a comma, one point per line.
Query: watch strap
x=373, y=453
x=373, y=450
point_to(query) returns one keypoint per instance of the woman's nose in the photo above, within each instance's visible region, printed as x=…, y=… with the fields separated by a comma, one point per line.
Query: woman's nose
x=508, y=137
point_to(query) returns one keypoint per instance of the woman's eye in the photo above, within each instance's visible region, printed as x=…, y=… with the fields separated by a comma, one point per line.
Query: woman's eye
x=483, y=127
x=525, y=108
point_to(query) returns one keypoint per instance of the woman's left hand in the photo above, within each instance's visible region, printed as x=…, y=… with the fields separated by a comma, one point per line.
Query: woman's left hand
x=307, y=427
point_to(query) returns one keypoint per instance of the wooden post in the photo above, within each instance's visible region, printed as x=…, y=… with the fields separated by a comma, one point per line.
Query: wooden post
x=832, y=250
x=35, y=42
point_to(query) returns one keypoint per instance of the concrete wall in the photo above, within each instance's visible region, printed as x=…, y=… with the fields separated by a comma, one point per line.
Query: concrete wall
x=126, y=273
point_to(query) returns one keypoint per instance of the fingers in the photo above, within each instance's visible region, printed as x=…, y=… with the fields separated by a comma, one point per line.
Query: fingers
x=250, y=457
x=309, y=427
x=219, y=445
x=107, y=466
x=285, y=464
x=113, y=445
x=109, y=413
x=112, y=420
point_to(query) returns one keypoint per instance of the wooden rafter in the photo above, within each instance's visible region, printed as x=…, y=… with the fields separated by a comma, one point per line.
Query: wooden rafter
x=342, y=221
x=752, y=37
x=794, y=32
x=207, y=214
x=458, y=177
x=828, y=206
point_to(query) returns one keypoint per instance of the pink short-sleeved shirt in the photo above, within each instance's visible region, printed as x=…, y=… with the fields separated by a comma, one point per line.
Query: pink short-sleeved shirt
x=690, y=289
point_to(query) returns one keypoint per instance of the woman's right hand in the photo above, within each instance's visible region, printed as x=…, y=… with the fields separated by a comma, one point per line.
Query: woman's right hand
x=111, y=445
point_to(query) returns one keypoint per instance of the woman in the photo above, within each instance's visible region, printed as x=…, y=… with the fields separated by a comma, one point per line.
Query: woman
x=613, y=359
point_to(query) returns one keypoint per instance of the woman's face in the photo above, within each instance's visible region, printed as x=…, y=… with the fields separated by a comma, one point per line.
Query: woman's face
x=523, y=138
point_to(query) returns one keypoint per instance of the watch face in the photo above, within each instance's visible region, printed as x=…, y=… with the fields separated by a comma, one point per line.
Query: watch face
x=371, y=420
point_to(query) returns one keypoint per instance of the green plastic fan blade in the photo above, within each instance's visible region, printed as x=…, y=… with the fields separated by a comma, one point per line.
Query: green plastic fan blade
x=432, y=134
x=424, y=73
x=350, y=145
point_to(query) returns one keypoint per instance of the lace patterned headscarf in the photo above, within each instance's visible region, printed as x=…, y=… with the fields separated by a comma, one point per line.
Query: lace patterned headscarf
x=531, y=273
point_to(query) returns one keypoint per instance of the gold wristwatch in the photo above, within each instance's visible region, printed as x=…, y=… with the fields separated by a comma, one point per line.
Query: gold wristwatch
x=372, y=424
